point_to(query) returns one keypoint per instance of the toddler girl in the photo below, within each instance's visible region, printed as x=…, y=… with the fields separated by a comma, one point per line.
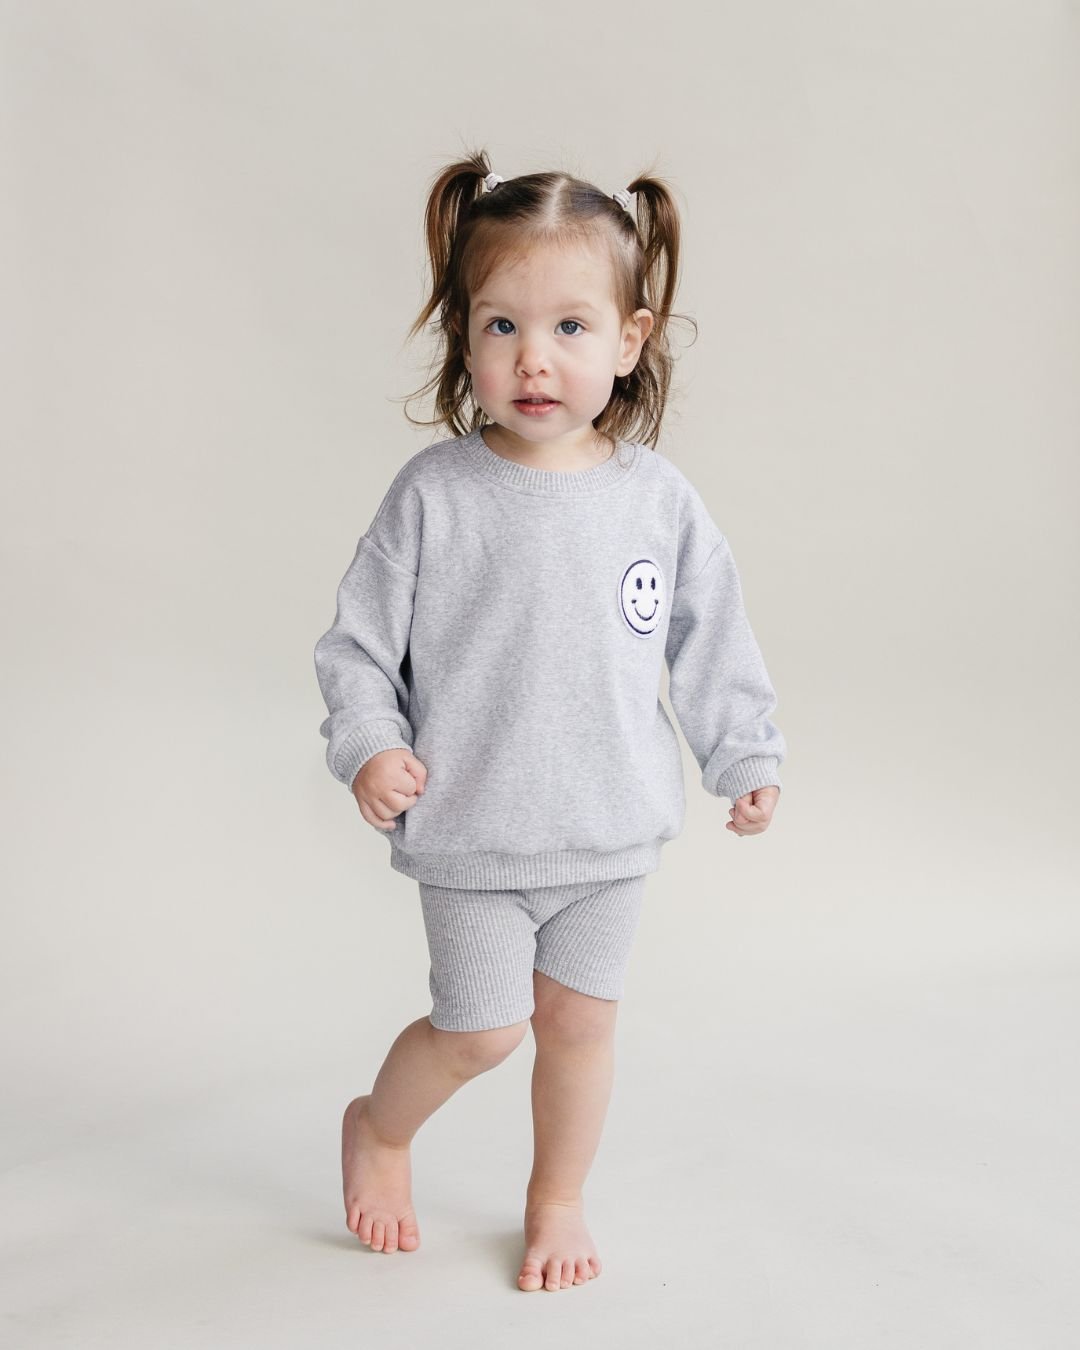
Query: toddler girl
x=492, y=675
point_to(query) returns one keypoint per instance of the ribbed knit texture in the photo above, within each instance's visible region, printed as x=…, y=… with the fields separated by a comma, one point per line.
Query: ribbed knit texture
x=510, y=625
x=484, y=946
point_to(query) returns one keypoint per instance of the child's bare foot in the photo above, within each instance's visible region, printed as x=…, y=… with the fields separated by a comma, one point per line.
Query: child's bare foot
x=558, y=1249
x=377, y=1183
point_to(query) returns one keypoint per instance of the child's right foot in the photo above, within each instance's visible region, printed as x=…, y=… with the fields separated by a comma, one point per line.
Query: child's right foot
x=377, y=1183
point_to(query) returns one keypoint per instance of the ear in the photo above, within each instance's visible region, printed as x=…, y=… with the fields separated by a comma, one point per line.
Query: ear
x=636, y=329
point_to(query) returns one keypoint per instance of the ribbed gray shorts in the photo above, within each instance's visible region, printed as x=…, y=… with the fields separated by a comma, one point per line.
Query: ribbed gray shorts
x=485, y=945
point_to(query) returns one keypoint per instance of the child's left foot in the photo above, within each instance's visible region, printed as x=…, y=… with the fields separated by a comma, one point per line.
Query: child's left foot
x=558, y=1249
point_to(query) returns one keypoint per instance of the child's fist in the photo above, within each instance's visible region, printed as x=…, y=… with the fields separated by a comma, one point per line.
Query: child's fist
x=387, y=784
x=751, y=814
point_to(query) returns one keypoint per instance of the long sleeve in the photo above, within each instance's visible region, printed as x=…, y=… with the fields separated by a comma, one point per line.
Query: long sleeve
x=718, y=684
x=358, y=662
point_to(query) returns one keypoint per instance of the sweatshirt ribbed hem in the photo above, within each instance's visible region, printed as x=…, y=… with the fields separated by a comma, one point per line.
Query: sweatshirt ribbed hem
x=510, y=871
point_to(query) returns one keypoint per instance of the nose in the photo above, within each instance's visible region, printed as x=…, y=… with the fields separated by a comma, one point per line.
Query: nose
x=531, y=358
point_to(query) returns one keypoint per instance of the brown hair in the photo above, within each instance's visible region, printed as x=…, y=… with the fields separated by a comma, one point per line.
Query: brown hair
x=471, y=231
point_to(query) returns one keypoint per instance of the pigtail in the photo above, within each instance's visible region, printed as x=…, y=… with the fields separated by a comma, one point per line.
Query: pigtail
x=661, y=242
x=643, y=394
x=451, y=195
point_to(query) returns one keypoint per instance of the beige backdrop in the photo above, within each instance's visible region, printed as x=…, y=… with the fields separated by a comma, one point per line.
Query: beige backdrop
x=845, y=1104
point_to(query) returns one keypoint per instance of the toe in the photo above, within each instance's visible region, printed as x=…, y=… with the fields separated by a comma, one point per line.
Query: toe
x=378, y=1234
x=567, y=1272
x=408, y=1237
x=554, y=1274
x=531, y=1276
x=352, y=1217
x=582, y=1273
x=364, y=1231
x=595, y=1266
x=391, y=1243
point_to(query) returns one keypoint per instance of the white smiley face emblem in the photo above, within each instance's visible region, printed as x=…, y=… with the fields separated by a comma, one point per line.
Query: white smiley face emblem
x=641, y=596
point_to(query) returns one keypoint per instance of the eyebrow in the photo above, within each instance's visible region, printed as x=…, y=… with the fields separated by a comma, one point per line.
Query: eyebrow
x=580, y=306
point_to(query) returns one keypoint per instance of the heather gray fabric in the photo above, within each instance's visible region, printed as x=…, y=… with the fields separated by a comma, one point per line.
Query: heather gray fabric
x=509, y=625
x=484, y=946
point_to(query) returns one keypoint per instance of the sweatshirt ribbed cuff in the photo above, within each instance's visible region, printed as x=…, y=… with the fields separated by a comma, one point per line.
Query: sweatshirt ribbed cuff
x=745, y=775
x=367, y=740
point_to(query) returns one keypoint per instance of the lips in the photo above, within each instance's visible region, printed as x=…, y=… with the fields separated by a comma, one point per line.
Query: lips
x=536, y=410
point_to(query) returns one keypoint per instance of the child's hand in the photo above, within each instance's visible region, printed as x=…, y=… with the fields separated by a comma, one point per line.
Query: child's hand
x=751, y=814
x=387, y=784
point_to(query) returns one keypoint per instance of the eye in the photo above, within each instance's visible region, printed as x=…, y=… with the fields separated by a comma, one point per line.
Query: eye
x=562, y=324
x=637, y=582
x=652, y=583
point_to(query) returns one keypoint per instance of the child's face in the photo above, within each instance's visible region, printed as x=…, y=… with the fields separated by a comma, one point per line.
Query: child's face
x=548, y=325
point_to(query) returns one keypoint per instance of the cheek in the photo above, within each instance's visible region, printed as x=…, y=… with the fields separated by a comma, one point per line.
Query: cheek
x=483, y=366
x=484, y=381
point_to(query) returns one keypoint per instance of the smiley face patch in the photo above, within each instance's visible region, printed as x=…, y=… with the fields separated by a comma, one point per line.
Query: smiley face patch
x=642, y=596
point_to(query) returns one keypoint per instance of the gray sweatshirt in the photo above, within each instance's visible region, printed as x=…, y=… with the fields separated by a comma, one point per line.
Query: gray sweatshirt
x=508, y=625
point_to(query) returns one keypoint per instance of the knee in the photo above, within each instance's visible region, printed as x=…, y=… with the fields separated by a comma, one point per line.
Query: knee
x=477, y=1051
x=564, y=1015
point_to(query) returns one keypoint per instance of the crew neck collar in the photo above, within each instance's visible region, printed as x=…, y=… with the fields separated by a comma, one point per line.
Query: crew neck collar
x=619, y=465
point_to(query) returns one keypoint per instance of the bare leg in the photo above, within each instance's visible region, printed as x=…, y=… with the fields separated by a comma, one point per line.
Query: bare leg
x=571, y=1086
x=423, y=1068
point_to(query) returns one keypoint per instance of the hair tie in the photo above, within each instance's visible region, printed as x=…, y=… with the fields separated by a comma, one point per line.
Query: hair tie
x=492, y=180
x=623, y=198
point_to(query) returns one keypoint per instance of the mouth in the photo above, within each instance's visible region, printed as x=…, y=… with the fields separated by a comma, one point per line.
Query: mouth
x=532, y=406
